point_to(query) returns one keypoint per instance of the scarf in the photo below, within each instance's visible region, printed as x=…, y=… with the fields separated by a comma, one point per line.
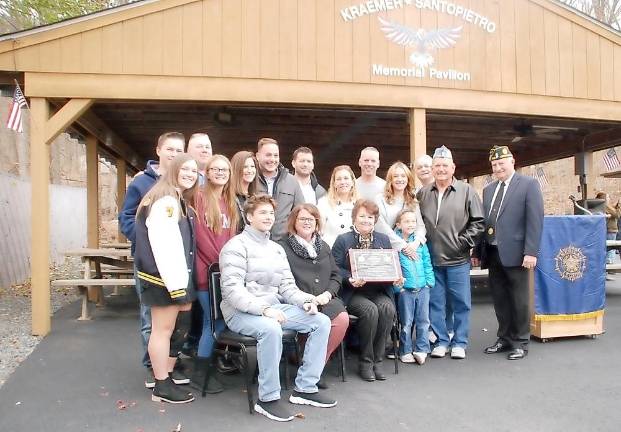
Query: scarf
x=304, y=249
x=364, y=241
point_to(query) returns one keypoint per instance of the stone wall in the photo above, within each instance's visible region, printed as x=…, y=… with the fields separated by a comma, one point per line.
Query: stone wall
x=563, y=182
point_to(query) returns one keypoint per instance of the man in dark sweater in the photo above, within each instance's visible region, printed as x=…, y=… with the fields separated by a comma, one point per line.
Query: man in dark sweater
x=169, y=145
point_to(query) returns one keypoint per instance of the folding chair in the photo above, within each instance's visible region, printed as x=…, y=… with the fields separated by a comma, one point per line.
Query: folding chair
x=242, y=349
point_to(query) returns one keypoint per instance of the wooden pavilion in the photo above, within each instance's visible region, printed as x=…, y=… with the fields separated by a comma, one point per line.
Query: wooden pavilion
x=335, y=75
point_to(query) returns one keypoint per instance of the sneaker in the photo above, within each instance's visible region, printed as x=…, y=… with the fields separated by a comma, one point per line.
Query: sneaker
x=179, y=377
x=438, y=352
x=390, y=353
x=458, y=353
x=407, y=358
x=432, y=337
x=149, y=381
x=420, y=357
x=312, y=399
x=273, y=410
x=167, y=391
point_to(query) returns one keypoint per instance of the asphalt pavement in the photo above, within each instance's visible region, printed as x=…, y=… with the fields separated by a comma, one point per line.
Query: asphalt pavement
x=87, y=376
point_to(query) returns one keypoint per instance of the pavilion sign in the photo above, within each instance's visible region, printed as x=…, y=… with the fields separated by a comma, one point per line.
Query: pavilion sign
x=421, y=41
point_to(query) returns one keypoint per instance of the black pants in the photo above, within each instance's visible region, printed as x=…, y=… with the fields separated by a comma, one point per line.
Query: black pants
x=509, y=286
x=376, y=313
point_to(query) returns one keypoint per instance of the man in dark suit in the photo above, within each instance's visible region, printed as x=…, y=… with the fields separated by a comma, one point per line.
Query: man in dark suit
x=513, y=207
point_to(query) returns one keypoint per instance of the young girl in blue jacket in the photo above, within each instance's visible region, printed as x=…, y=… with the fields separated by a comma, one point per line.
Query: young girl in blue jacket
x=413, y=296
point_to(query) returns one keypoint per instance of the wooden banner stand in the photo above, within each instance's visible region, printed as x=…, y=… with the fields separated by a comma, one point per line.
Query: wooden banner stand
x=545, y=330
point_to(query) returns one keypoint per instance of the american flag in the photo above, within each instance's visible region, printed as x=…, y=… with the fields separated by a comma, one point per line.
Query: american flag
x=540, y=175
x=15, y=111
x=488, y=180
x=611, y=160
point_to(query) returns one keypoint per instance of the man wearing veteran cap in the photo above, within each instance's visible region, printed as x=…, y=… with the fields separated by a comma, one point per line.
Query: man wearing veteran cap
x=454, y=219
x=513, y=207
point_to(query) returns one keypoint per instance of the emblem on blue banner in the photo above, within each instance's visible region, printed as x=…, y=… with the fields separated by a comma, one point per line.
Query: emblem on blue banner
x=570, y=263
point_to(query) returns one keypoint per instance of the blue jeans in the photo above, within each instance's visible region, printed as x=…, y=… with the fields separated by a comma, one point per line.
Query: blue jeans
x=207, y=340
x=145, y=324
x=268, y=333
x=610, y=254
x=414, y=309
x=453, y=287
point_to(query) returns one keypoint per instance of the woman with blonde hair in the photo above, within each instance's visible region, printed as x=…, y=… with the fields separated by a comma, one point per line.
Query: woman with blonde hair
x=399, y=195
x=217, y=223
x=336, y=206
x=164, y=260
x=244, y=180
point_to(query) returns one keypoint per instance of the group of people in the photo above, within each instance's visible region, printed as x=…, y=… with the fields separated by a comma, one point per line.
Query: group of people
x=283, y=242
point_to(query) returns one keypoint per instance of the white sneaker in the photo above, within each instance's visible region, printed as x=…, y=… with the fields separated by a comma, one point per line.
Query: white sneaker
x=458, y=353
x=438, y=352
x=432, y=337
x=407, y=358
x=420, y=357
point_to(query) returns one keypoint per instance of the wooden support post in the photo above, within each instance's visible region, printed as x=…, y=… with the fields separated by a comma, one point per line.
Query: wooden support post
x=418, y=135
x=92, y=192
x=40, y=217
x=121, y=188
x=43, y=130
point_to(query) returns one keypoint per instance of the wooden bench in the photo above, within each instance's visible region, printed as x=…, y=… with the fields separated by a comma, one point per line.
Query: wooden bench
x=84, y=284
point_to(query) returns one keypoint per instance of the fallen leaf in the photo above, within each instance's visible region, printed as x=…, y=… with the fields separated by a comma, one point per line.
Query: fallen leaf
x=178, y=428
x=120, y=405
x=18, y=403
x=133, y=403
x=162, y=410
x=484, y=329
x=104, y=394
x=300, y=415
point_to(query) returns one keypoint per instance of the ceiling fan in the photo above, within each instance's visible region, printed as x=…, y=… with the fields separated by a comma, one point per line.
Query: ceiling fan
x=525, y=130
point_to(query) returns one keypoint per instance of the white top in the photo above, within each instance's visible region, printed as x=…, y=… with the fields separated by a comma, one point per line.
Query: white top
x=369, y=190
x=335, y=220
x=503, y=194
x=388, y=218
x=167, y=243
x=309, y=193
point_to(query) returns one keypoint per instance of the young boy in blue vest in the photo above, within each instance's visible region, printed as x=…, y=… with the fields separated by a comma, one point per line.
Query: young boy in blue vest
x=413, y=296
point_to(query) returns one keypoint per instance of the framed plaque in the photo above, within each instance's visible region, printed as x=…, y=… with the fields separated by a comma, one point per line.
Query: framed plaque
x=375, y=265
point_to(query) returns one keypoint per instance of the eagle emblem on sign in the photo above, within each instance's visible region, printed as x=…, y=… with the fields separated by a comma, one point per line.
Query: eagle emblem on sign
x=570, y=263
x=422, y=40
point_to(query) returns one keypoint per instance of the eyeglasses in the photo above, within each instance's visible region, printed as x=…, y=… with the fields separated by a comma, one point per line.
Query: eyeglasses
x=218, y=170
x=306, y=220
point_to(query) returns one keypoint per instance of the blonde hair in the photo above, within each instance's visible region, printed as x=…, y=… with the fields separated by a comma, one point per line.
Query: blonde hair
x=168, y=185
x=213, y=216
x=332, y=195
x=408, y=193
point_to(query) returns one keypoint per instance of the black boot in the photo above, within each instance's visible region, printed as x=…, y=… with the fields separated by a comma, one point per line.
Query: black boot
x=204, y=376
x=168, y=391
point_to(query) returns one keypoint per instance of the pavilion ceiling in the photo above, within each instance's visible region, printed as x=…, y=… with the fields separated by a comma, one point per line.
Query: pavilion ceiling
x=336, y=136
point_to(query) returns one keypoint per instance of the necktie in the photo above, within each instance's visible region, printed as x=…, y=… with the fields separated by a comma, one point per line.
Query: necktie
x=493, y=215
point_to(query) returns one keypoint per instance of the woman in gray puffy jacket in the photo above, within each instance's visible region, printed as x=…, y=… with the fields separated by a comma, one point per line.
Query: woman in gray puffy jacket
x=260, y=299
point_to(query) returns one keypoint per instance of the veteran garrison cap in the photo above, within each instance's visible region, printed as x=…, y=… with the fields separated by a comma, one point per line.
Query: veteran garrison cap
x=499, y=152
x=442, y=152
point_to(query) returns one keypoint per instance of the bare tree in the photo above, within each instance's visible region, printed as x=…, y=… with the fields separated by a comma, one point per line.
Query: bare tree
x=605, y=11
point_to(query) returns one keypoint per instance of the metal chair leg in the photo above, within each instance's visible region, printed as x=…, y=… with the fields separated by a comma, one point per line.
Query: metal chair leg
x=342, y=359
x=250, y=357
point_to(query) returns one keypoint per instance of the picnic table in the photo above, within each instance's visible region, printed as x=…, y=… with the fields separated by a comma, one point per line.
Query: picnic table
x=99, y=262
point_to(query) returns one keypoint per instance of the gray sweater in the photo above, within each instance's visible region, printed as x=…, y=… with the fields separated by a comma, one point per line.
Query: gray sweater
x=256, y=274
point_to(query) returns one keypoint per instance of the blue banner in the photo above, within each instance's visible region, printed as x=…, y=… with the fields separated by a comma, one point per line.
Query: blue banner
x=570, y=276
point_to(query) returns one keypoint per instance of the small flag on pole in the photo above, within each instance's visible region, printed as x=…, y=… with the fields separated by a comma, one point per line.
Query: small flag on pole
x=15, y=111
x=488, y=180
x=611, y=160
x=541, y=177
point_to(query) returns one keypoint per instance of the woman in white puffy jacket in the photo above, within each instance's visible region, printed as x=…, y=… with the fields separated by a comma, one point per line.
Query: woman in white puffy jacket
x=164, y=260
